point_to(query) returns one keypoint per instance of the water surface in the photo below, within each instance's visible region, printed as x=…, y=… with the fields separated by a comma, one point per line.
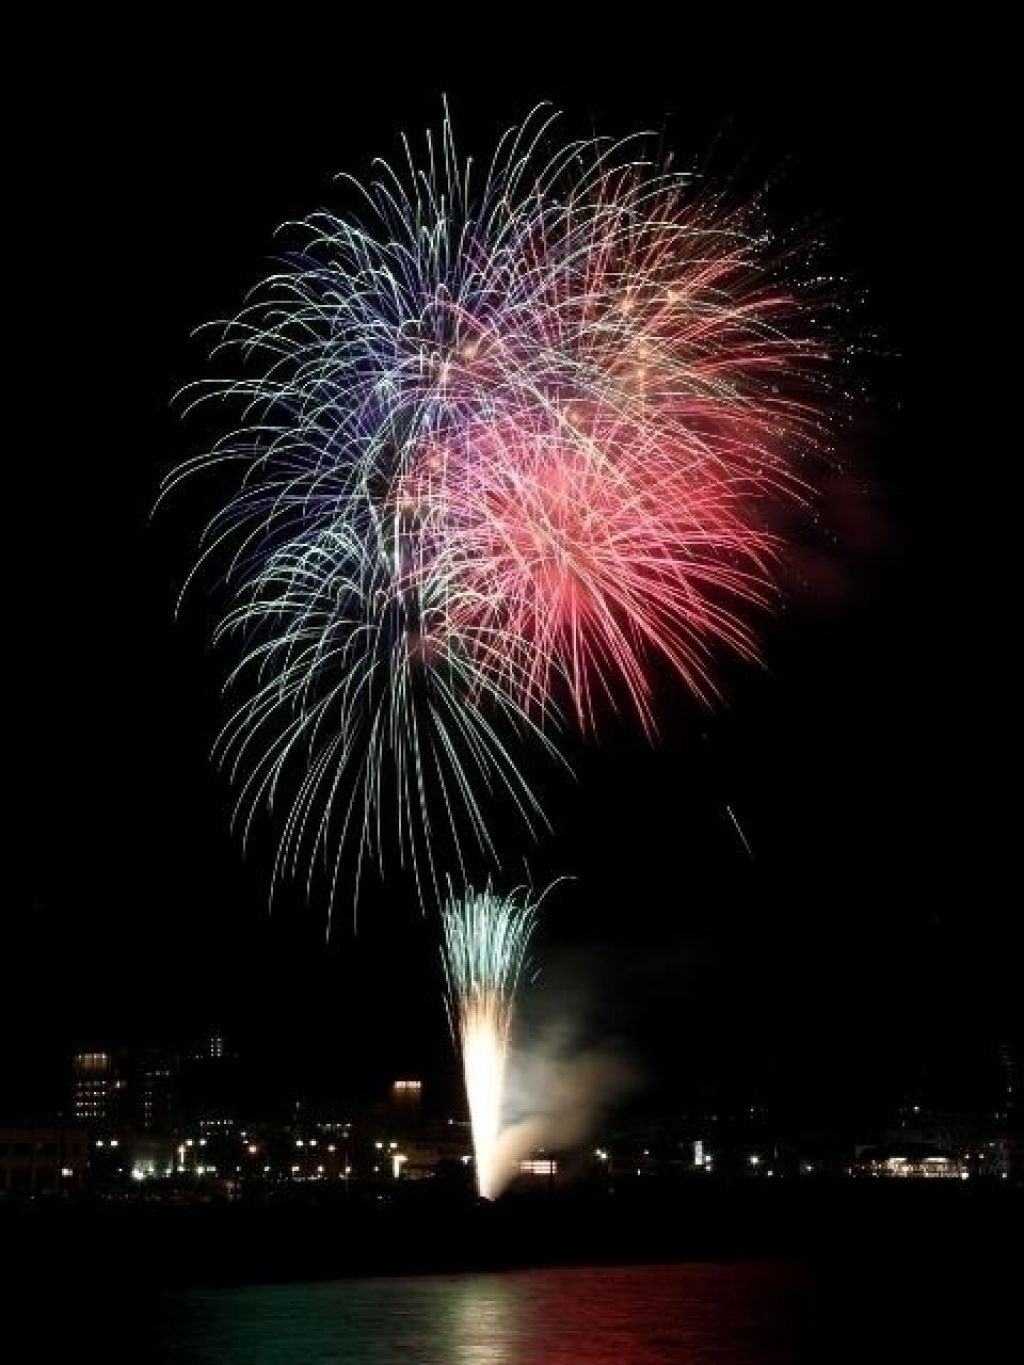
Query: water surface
x=731, y=1314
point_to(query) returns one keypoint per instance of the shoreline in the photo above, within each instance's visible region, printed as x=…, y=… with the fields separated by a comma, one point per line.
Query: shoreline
x=154, y=1247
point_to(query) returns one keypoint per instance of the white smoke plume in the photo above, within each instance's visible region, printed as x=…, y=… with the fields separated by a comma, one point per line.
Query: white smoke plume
x=558, y=1090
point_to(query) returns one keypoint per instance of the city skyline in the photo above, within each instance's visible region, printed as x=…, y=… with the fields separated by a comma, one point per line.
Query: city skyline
x=192, y=1123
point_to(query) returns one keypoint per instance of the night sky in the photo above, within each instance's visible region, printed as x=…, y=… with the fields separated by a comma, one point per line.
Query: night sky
x=866, y=946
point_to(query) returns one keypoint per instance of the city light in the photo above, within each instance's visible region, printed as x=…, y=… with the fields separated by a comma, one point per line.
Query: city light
x=536, y=1166
x=948, y=1146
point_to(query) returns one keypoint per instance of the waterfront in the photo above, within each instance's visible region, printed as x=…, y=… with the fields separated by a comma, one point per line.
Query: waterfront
x=805, y=1272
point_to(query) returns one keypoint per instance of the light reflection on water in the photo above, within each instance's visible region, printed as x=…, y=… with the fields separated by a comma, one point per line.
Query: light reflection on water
x=743, y=1314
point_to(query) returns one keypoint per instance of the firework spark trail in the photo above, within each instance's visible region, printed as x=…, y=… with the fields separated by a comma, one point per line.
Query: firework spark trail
x=739, y=831
x=504, y=440
x=486, y=938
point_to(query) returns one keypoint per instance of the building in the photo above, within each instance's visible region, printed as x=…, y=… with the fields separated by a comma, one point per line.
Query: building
x=95, y=1089
x=213, y=1048
x=405, y=1105
x=209, y=1087
x=154, y=1097
x=909, y=1160
x=149, y=1156
x=42, y=1160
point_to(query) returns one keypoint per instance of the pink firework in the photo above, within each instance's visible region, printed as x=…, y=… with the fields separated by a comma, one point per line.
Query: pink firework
x=626, y=418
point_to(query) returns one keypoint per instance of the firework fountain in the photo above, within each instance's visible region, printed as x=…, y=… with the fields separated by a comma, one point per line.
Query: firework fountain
x=486, y=939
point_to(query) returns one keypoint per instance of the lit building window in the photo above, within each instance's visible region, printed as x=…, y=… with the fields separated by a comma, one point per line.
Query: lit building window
x=539, y=1166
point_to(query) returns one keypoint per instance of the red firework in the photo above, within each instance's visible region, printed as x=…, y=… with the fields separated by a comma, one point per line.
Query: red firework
x=623, y=424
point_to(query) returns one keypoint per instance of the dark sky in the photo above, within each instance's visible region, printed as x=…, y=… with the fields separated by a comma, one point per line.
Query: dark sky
x=865, y=941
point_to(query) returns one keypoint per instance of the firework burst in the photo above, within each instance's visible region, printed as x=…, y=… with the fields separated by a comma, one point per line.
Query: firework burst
x=626, y=418
x=486, y=938
x=505, y=439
